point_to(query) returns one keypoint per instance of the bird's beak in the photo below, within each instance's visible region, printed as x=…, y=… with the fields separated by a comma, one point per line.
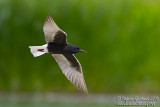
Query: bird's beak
x=82, y=51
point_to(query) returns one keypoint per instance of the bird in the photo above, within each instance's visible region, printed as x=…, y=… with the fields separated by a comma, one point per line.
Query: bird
x=62, y=52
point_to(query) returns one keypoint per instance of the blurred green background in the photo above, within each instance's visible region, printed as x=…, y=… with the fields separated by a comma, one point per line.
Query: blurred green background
x=121, y=37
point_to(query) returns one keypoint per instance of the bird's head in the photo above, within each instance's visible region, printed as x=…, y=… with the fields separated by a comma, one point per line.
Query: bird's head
x=73, y=49
x=77, y=49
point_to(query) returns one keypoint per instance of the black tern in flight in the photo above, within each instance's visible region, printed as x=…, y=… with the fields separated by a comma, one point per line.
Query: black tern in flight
x=63, y=53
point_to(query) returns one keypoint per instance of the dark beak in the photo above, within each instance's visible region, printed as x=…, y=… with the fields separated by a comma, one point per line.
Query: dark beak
x=82, y=51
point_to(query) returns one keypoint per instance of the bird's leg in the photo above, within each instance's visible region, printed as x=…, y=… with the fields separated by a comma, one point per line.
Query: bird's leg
x=41, y=50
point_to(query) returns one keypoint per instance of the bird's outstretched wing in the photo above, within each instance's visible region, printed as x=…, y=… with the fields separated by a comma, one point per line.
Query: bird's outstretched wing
x=71, y=69
x=52, y=32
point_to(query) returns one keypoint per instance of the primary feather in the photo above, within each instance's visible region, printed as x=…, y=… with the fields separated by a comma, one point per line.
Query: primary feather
x=50, y=29
x=72, y=72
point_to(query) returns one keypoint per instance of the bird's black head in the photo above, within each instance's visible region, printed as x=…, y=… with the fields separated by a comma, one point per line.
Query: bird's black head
x=73, y=49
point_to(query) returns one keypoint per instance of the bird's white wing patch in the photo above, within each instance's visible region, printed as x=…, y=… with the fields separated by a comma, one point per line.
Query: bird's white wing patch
x=50, y=28
x=72, y=73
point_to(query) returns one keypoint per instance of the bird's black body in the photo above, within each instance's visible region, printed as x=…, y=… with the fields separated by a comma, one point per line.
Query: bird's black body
x=55, y=48
x=65, y=48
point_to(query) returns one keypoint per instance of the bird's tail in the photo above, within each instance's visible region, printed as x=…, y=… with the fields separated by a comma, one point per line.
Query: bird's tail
x=38, y=50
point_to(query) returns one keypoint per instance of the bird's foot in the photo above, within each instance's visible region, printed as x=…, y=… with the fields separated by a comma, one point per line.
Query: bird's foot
x=41, y=50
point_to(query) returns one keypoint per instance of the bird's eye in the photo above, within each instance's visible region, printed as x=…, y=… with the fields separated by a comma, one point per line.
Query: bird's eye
x=76, y=48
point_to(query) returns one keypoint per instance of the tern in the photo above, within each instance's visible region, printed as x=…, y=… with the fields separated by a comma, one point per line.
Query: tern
x=62, y=52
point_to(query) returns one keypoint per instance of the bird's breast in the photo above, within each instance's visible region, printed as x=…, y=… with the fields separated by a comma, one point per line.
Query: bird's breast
x=55, y=48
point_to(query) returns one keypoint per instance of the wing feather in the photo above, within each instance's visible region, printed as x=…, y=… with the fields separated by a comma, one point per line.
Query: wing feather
x=70, y=71
x=52, y=32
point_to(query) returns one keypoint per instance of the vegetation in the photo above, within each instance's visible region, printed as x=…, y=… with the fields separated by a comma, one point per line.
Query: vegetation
x=121, y=38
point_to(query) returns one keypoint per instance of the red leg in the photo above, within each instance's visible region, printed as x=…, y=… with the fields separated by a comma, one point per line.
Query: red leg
x=41, y=50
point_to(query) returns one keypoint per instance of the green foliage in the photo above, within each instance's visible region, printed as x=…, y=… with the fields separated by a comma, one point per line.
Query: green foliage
x=121, y=38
